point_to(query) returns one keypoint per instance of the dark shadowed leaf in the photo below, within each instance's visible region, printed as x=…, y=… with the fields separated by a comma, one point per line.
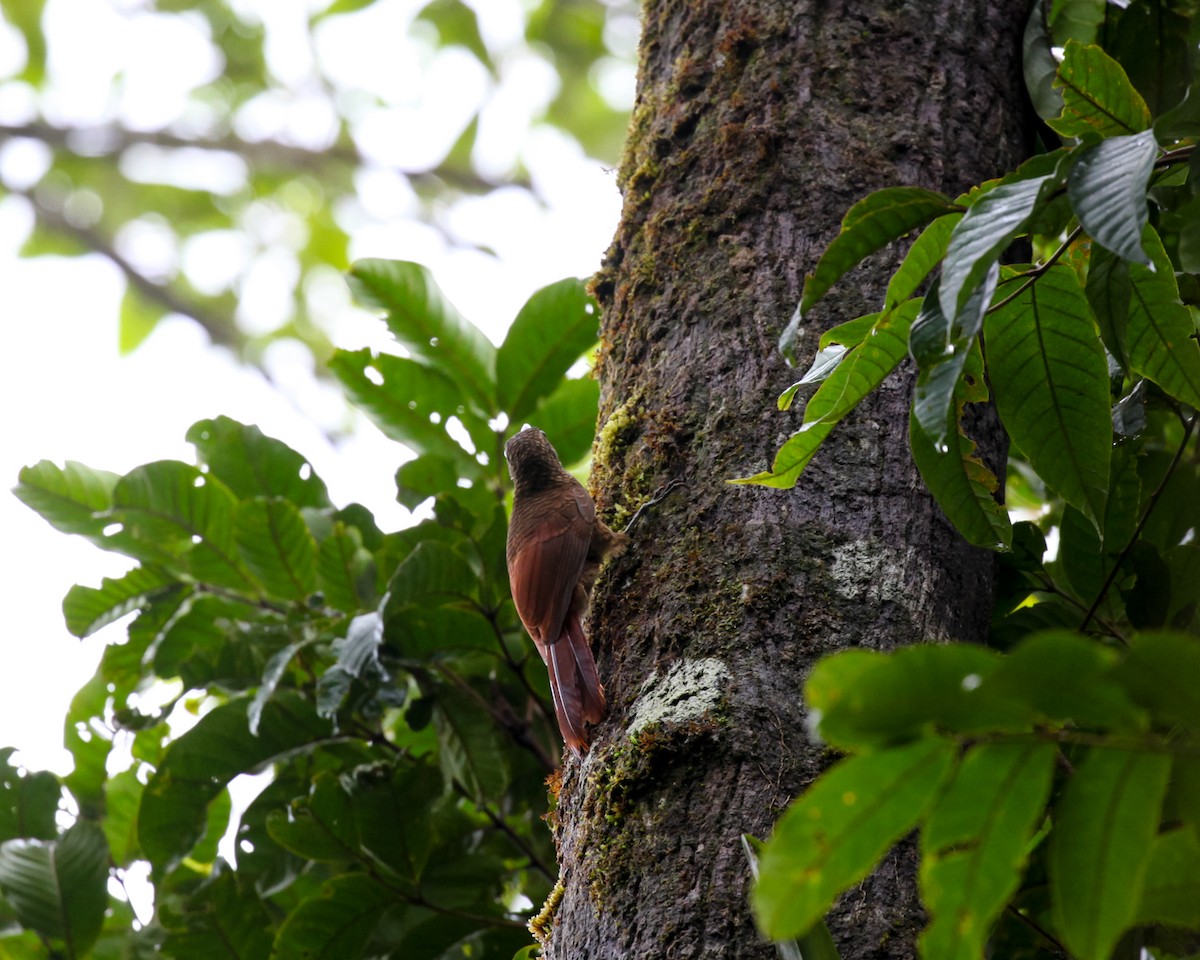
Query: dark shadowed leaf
x=345, y=569
x=28, y=802
x=1172, y=891
x=1159, y=673
x=337, y=922
x=1040, y=65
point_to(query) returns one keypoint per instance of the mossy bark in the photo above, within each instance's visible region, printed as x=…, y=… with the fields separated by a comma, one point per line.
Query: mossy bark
x=757, y=124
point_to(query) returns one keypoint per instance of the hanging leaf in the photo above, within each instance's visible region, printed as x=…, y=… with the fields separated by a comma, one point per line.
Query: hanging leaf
x=1107, y=189
x=1098, y=99
x=1039, y=64
x=1104, y=827
x=862, y=370
x=87, y=609
x=1050, y=380
x=555, y=326
x=1161, y=334
x=975, y=842
x=925, y=253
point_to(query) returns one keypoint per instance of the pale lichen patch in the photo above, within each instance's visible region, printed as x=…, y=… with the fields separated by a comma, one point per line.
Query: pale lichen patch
x=690, y=690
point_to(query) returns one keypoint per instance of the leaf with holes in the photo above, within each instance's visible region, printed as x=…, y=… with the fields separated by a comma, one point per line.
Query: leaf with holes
x=252, y=464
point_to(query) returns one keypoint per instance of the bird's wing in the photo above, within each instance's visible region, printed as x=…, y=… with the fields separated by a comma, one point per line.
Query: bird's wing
x=547, y=561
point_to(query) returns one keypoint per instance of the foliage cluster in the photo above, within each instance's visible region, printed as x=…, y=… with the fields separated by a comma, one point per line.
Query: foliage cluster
x=383, y=679
x=1056, y=777
x=269, y=165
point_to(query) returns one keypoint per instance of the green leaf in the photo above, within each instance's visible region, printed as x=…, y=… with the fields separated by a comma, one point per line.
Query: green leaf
x=860, y=372
x=337, y=922
x=345, y=569
x=72, y=498
x=1161, y=335
x=1098, y=98
x=869, y=225
x=223, y=919
x=58, y=888
x=1039, y=64
x=1050, y=380
x=28, y=802
x=87, y=609
x=925, y=253
x=568, y=417
x=1104, y=827
x=556, y=325
x=408, y=401
x=457, y=24
x=424, y=477
x=975, y=842
x=432, y=575
x=1077, y=20
x=1181, y=121
x=272, y=673
x=1159, y=673
x=137, y=320
x=960, y=482
x=1172, y=891
x=275, y=545
x=945, y=348
x=984, y=232
x=1107, y=189
x=1065, y=678
x=251, y=464
x=172, y=507
x=199, y=764
x=832, y=836
x=421, y=318
x=1109, y=291
x=472, y=745
x=861, y=699
x=122, y=796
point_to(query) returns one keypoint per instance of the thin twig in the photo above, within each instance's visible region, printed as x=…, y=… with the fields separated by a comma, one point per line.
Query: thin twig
x=1150, y=505
x=658, y=498
x=1034, y=273
x=1038, y=928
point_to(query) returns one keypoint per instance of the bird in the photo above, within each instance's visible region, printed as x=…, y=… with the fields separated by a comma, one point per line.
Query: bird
x=554, y=550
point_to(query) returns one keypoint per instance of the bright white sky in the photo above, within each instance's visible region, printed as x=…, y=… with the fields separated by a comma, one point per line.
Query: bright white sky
x=66, y=394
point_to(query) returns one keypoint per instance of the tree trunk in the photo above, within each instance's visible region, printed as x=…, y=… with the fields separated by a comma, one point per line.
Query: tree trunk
x=757, y=124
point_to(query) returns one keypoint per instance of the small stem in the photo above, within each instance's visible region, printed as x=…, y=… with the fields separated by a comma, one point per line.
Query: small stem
x=1153, y=502
x=1034, y=273
x=1040, y=930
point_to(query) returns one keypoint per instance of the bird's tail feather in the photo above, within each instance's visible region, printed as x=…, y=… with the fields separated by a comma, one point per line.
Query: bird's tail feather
x=564, y=686
x=590, y=690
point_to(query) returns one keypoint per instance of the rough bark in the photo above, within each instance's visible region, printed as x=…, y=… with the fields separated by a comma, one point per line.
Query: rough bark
x=758, y=123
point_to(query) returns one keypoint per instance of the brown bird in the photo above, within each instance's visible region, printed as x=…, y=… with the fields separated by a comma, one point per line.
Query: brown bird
x=555, y=546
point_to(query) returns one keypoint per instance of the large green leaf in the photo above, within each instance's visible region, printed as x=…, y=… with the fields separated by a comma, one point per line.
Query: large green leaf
x=1160, y=339
x=200, y=763
x=74, y=498
x=556, y=325
x=58, y=887
x=173, y=507
x=832, y=836
x=28, y=801
x=409, y=401
x=866, y=699
x=1104, y=827
x=1159, y=673
x=869, y=225
x=429, y=326
x=860, y=372
x=1107, y=189
x=251, y=464
x=432, y=575
x=87, y=609
x=345, y=569
x=1098, y=98
x=1108, y=291
x=275, y=545
x=984, y=232
x=1172, y=891
x=1050, y=380
x=223, y=919
x=925, y=253
x=1039, y=64
x=472, y=750
x=337, y=922
x=975, y=842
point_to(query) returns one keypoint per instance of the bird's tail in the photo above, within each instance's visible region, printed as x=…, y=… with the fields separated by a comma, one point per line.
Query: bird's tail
x=575, y=685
